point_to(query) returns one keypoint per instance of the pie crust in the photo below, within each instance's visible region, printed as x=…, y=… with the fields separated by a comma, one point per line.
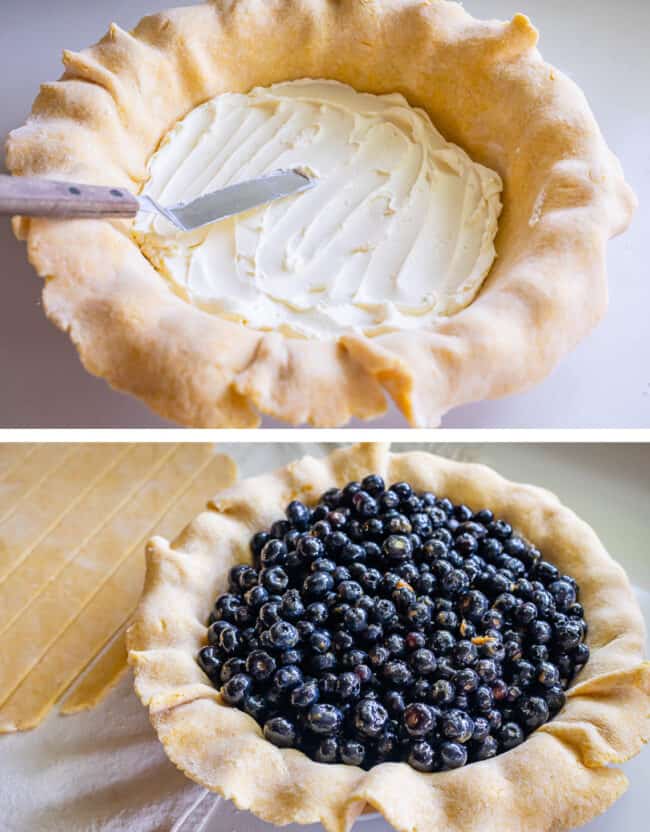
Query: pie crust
x=486, y=88
x=560, y=777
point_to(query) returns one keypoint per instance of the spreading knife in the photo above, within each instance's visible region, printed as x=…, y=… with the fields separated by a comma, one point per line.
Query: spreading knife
x=34, y=197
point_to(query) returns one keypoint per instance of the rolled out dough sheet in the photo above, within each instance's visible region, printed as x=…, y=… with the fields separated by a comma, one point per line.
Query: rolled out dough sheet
x=74, y=521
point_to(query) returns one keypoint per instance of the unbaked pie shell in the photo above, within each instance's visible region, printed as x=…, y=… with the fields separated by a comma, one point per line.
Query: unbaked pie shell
x=560, y=777
x=486, y=88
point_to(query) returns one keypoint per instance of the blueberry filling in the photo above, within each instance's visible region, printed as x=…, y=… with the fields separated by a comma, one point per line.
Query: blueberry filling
x=389, y=625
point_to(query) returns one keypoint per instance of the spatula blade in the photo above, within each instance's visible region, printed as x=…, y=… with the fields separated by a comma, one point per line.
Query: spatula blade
x=238, y=198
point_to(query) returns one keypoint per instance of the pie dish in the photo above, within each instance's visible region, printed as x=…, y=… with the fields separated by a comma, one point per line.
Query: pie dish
x=485, y=87
x=558, y=778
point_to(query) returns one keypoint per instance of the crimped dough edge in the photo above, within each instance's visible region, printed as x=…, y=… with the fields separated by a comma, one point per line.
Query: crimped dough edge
x=486, y=88
x=560, y=777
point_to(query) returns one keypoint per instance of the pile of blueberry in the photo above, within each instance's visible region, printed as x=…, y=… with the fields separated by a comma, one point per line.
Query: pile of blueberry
x=389, y=625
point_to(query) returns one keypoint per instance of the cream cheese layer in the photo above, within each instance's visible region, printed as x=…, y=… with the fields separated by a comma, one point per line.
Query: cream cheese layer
x=398, y=230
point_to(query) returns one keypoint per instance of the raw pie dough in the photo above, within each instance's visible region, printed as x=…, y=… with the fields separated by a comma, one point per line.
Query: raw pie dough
x=398, y=231
x=485, y=87
x=73, y=521
x=559, y=778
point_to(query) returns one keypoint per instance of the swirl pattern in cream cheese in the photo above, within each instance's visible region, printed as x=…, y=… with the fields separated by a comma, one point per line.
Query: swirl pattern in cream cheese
x=399, y=229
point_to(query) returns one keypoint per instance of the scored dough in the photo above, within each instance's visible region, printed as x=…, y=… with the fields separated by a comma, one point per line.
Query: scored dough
x=73, y=523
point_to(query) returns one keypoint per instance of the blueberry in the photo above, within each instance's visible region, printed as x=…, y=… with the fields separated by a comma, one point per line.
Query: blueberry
x=455, y=582
x=419, y=614
x=298, y=514
x=397, y=674
x=581, y=655
x=274, y=553
x=323, y=662
x=486, y=670
x=402, y=489
x=349, y=591
x=236, y=688
x=231, y=667
x=291, y=606
x=442, y=642
x=255, y=705
x=348, y=686
x=467, y=680
x=452, y=755
x=280, y=731
x=568, y=635
x=226, y=606
x=353, y=753
x=256, y=597
x=443, y=692
x=457, y=725
x=421, y=756
x=465, y=653
x=364, y=504
x=215, y=629
x=260, y=665
x=370, y=717
x=534, y=711
x=555, y=699
x=352, y=554
x=287, y=678
x=327, y=683
x=292, y=656
x=403, y=597
x=355, y=620
x=269, y=613
x=257, y=543
x=397, y=548
x=419, y=719
x=526, y=613
x=317, y=613
x=373, y=484
x=486, y=749
x=354, y=657
x=548, y=675
x=324, y=719
x=305, y=695
x=274, y=579
x=310, y=548
x=320, y=641
x=546, y=572
x=283, y=635
x=475, y=605
x=327, y=750
x=341, y=575
x=511, y=735
x=333, y=497
x=378, y=656
x=210, y=662
x=349, y=491
x=424, y=662
x=342, y=641
x=318, y=584
x=230, y=640
x=280, y=528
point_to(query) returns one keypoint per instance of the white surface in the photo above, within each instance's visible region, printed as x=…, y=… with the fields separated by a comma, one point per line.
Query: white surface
x=605, y=382
x=104, y=770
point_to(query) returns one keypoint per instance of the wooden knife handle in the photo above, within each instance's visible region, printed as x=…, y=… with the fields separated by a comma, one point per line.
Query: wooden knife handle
x=32, y=197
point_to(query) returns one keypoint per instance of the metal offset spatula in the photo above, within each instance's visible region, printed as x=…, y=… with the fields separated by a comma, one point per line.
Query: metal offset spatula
x=45, y=198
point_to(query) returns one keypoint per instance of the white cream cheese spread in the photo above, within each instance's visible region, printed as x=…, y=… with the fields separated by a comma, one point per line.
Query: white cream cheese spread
x=398, y=230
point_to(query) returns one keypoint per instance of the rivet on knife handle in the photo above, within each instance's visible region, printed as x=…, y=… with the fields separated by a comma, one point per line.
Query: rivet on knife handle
x=33, y=197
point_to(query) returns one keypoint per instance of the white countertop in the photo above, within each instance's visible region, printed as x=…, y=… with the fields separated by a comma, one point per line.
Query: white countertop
x=605, y=382
x=103, y=770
